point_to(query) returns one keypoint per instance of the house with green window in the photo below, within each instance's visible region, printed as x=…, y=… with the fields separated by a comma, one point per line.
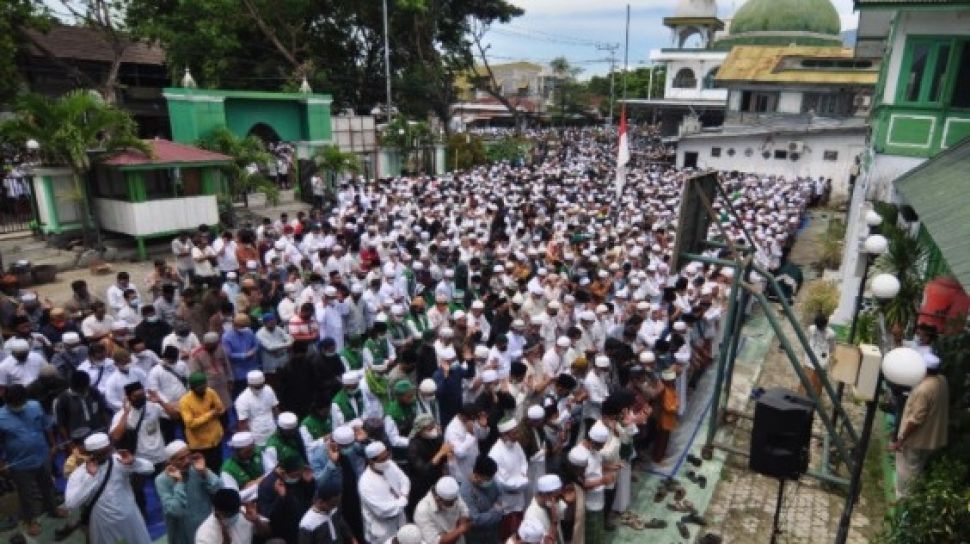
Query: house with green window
x=920, y=109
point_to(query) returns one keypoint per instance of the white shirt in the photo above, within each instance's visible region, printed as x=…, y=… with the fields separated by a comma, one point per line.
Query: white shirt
x=598, y=391
x=151, y=443
x=465, y=447
x=257, y=409
x=383, y=498
x=203, y=266
x=99, y=373
x=512, y=477
x=13, y=372
x=225, y=254
x=92, y=326
x=168, y=386
x=210, y=531
x=434, y=521
x=596, y=497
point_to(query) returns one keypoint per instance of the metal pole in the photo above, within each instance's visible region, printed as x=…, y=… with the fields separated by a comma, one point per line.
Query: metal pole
x=387, y=62
x=858, y=299
x=855, y=483
x=626, y=51
x=723, y=356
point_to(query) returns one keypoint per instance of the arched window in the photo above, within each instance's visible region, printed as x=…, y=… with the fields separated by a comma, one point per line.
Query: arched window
x=709, y=82
x=685, y=79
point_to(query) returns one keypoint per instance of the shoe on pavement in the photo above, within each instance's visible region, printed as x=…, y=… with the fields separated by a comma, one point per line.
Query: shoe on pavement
x=682, y=529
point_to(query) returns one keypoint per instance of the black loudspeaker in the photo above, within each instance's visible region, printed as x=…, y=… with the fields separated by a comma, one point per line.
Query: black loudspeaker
x=781, y=435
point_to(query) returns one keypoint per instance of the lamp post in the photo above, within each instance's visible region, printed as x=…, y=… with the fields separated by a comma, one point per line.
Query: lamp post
x=387, y=61
x=874, y=246
x=899, y=366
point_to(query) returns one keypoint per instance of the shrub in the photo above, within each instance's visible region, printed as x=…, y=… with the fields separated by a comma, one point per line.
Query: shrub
x=935, y=510
x=819, y=297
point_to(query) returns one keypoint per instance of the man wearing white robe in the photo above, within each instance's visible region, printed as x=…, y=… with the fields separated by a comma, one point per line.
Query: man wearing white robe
x=461, y=433
x=512, y=477
x=114, y=516
x=384, y=490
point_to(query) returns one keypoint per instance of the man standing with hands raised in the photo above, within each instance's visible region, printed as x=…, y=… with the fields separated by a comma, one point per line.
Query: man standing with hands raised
x=185, y=490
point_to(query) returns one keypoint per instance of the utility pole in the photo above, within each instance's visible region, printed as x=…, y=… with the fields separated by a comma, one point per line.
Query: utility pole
x=626, y=51
x=612, y=48
x=387, y=62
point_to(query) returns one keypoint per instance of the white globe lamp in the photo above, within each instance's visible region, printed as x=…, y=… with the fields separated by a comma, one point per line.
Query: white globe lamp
x=876, y=244
x=873, y=219
x=885, y=286
x=904, y=366
x=32, y=145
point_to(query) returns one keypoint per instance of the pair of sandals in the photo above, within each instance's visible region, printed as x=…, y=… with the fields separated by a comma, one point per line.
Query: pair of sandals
x=666, y=487
x=698, y=479
x=682, y=505
x=634, y=521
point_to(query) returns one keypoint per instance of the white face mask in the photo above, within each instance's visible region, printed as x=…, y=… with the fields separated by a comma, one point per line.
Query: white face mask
x=382, y=466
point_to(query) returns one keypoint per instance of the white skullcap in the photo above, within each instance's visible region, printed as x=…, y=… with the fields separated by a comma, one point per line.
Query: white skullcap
x=536, y=290
x=19, y=345
x=579, y=456
x=446, y=332
x=255, y=377
x=374, y=449
x=287, y=420
x=71, y=338
x=289, y=287
x=554, y=305
x=599, y=433
x=397, y=309
x=563, y=341
x=587, y=316
x=668, y=375
x=478, y=305
x=458, y=315
x=518, y=324
x=517, y=299
x=602, y=309
x=97, y=441
x=647, y=357
x=446, y=488
x=680, y=326
x=507, y=425
x=330, y=291
x=481, y=351
x=643, y=305
x=531, y=531
x=242, y=439
x=356, y=288
x=174, y=447
x=350, y=377
x=409, y=534
x=448, y=353
x=602, y=361
x=536, y=412
x=343, y=435
x=548, y=483
x=489, y=376
x=119, y=326
x=279, y=244
x=427, y=386
x=252, y=264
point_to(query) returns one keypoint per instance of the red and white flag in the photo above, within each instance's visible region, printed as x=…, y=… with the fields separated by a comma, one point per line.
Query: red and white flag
x=622, y=155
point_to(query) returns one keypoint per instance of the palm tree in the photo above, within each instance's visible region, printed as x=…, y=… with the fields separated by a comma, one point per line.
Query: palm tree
x=71, y=130
x=248, y=154
x=335, y=162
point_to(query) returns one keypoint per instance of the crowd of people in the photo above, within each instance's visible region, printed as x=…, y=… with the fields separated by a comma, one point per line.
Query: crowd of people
x=492, y=356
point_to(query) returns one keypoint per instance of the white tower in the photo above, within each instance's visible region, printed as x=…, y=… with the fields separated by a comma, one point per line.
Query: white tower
x=694, y=17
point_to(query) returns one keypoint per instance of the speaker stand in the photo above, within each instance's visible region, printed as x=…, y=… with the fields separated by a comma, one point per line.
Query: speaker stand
x=776, y=529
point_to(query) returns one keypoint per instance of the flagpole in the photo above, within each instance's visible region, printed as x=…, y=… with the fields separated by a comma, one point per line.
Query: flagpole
x=626, y=52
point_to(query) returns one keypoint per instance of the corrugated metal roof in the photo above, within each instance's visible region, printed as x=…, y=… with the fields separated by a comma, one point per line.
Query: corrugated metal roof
x=166, y=152
x=762, y=64
x=80, y=43
x=937, y=190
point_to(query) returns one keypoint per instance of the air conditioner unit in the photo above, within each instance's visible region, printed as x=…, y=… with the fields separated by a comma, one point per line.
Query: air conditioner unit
x=862, y=101
x=796, y=147
x=865, y=385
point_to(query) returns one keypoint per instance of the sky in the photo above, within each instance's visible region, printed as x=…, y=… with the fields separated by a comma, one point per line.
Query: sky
x=573, y=28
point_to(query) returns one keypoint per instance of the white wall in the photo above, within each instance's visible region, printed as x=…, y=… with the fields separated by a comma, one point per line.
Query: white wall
x=811, y=163
x=790, y=102
x=156, y=216
x=933, y=23
x=883, y=171
x=701, y=66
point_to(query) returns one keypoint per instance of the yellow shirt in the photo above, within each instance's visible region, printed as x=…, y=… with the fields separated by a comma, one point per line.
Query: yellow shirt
x=200, y=416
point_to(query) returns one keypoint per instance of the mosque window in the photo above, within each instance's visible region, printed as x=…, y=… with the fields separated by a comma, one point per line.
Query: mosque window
x=781, y=154
x=685, y=79
x=710, y=79
x=830, y=155
x=715, y=152
x=934, y=70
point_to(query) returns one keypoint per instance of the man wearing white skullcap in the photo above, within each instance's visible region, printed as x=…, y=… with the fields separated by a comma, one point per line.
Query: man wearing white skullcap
x=184, y=490
x=384, y=490
x=408, y=534
x=257, y=408
x=442, y=515
x=22, y=366
x=512, y=477
x=114, y=515
x=243, y=470
x=285, y=442
x=546, y=508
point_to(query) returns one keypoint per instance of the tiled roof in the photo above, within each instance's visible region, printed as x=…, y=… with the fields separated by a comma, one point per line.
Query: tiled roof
x=79, y=43
x=165, y=152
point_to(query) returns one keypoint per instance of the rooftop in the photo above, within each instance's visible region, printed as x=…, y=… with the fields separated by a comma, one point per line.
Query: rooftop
x=797, y=64
x=167, y=153
x=79, y=43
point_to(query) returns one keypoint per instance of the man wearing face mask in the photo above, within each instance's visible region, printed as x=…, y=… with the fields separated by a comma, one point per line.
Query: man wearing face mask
x=152, y=329
x=324, y=522
x=21, y=367
x=512, y=477
x=344, y=455
x=384, y=491
x=200, y=410
x=136, y=428
x=125, y=374
x=243, y=470
x=546, y=509
x=185, y=490
x=481, y=495
x=284, y=495
x=230, y=522
x=285, y=442
x=102, y=489
x=427, y=454
x=442, y=515
x=24, y=436
x=257, y=408
x=427, y=401
x=350, y=402
x=99, y=367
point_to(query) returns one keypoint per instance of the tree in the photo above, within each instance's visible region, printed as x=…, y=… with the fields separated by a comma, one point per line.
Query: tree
x=410, y=137
x=639, y=85
x=248, y=155
x=71, y=129
x=487, y=80
x=331, y=159
x=16, y=17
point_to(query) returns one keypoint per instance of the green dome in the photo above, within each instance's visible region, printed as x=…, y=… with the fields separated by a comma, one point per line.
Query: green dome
x=818, y=16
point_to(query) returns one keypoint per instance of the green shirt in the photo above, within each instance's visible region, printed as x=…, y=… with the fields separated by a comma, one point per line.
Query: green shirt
x=316, y=427
x=244, y=471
